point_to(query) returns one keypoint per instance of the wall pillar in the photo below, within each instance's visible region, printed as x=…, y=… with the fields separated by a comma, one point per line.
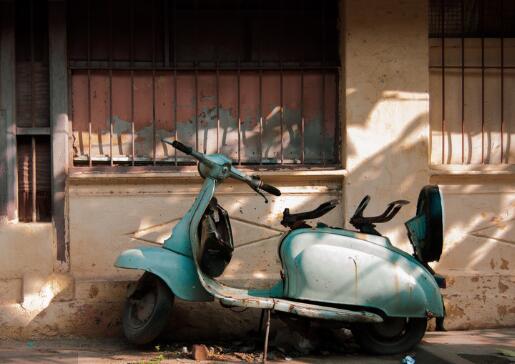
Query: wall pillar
x=59, y=119
x=386, y=106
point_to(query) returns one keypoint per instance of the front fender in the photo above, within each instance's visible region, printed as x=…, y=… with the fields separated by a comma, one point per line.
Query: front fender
x=176, y=270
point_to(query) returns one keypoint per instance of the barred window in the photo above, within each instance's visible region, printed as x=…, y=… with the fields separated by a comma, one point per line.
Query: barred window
x=32, y=111
x=256, y=80
x=472, y=81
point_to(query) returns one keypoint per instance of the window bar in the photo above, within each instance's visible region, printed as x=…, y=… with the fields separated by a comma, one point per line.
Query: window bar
x=239, y=114
x=195, y=70
x=111, y=118
x=282, y=115
x=217, y=109
x=260, y=111
x=443, y=77
x=110, y=83
x=32, y=117
x=238, y=85
x=302, y=122
x=322, y=125
x=34, y=189
x=166, y=33
x=260, y=117
x=338, y=138
x=196, y=112
x=463, y=81
x=153, y=82
x=281, y=38
x=482, y=20
x=502, y=82
x=217, y=55
x=90, y=159
x=131, y=60
x=174, y=50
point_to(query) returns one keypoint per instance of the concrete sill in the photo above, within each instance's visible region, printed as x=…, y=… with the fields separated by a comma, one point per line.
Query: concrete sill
x=87, y=176
x=472, y=170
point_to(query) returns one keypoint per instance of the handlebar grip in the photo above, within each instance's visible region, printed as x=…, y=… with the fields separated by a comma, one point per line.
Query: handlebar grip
x=270, y=189
x=183, y=148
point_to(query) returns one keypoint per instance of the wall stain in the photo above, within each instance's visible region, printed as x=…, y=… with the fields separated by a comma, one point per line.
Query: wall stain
x=93, y=291
x=502, y=287
x=455, y=311
x=504, y=264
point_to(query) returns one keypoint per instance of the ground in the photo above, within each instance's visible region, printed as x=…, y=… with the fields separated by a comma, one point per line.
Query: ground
x=460, y=347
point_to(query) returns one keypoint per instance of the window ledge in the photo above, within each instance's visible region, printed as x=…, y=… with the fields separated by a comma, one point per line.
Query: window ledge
x=82, y=175
x=472, y=170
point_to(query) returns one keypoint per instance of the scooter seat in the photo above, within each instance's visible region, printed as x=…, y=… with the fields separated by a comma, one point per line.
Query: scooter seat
x=294, y=221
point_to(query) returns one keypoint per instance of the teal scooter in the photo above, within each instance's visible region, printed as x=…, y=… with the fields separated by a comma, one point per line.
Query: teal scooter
x=355, y=278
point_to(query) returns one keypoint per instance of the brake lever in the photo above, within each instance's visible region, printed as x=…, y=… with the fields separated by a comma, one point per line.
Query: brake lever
x=261, y=193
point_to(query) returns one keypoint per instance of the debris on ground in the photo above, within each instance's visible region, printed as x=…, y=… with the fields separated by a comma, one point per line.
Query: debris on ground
x=199, y=352
x=408, y=359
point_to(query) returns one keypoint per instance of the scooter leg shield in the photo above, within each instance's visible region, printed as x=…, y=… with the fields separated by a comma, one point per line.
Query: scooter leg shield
x=176, y=270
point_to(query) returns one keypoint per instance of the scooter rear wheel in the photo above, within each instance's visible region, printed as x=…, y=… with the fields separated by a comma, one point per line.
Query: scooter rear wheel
x=393, y=336
x=147, y=310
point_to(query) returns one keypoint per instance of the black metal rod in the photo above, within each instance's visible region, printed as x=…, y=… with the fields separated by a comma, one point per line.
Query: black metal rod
x=482, y=16
x=153, y=83
x=88, y=51
x=239, y=116
x=443, y=78
x=196, y=114
x=502, y=83
x=110, y=83
x=462, y=81
x=32, y=113
x=204, y=66
x=479, y=67
x=267, y=333
x=131, y=58
x=174, y=50
x=217, y=111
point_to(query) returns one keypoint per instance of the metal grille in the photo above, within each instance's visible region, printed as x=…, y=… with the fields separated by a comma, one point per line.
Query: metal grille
x=32, y=111
x=472, y=81
x=255, y=80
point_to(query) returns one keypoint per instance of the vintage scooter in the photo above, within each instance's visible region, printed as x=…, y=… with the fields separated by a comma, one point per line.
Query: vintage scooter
x=355, y=278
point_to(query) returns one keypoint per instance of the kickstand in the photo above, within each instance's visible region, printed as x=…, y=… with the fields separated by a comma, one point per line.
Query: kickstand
x=267, y=332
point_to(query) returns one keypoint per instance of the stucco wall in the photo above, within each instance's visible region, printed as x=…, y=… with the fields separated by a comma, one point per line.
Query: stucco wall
x=385, y=107
x=387, y=123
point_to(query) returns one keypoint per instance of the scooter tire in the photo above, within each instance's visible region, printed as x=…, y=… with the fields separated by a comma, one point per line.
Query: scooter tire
x=370, y=338
x=142, y=332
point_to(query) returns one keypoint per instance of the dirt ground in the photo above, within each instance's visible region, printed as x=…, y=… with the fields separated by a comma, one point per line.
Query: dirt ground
x=460, y=347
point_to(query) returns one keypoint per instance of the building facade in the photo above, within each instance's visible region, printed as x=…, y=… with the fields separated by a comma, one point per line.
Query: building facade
x=324, y=99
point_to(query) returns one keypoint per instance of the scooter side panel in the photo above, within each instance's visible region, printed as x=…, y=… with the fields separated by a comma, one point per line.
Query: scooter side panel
x=177, y=271
x=324, y=266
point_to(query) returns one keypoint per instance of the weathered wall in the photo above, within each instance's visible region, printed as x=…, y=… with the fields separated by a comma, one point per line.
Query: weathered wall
x=110, y=213
x=479, y=250
x=385, y=113
x=387, y=123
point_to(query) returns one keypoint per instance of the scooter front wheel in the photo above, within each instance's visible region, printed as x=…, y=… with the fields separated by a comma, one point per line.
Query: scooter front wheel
x=393, y=336
x=147, y=310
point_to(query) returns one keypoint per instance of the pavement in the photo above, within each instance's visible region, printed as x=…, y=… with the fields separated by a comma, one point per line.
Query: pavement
x=495, y=346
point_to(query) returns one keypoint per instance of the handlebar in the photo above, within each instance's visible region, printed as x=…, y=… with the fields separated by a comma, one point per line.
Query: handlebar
x=183, y=148
x=254, y=182
x=270, y=189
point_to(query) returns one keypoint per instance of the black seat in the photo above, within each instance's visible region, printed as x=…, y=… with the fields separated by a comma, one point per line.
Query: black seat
x=295, y=221
x=367, y=224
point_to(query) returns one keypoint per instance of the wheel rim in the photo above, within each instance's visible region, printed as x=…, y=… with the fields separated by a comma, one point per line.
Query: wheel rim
x=142, y=307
